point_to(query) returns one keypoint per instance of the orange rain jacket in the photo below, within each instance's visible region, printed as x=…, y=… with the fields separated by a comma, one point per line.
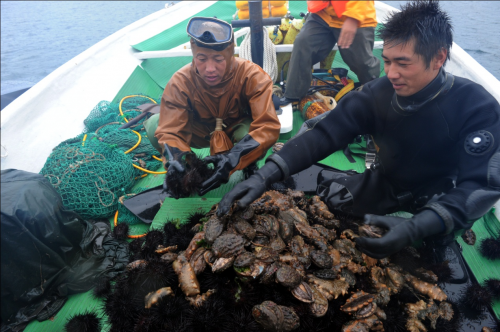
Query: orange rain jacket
x=189, y=108
x=335, y=12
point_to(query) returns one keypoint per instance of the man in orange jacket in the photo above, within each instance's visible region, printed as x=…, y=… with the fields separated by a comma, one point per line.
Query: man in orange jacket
x=350, y=24
x=217, y=101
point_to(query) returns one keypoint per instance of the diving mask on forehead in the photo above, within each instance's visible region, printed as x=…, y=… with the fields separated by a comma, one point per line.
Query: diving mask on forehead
x=210, y=32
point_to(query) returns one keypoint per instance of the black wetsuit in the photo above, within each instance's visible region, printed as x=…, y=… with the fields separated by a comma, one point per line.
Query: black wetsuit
x=449, y=129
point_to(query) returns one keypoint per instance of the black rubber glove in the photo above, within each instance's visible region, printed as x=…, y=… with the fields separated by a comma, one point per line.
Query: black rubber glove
x=225, y=163
x=401, y=232
x=250, y=189
x=175, y=161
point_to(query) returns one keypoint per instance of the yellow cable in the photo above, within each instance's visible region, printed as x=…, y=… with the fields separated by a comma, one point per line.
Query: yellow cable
x=142, y=169
x=136, y=144
x=157, y=158
x=84, y=138
x=145, y=170
x=140, y=177
x=344, y=90
x=126, y=97
x=138, y=135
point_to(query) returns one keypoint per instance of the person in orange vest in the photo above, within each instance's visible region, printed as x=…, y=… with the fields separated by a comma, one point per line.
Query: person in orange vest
x=351, y=25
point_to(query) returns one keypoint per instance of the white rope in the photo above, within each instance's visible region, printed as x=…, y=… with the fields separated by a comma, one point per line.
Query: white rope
x=270, y=64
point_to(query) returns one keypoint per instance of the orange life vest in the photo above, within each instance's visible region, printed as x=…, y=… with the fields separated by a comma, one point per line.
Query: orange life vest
x=317, y=6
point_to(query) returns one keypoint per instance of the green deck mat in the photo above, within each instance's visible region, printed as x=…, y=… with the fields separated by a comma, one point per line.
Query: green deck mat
x=76, y=304
x=139, y=82
x=481, y=267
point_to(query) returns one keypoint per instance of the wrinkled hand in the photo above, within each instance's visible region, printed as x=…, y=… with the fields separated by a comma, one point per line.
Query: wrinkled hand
x=401, y=232
x=246, y=191
x=222, y=170
x=348, y=32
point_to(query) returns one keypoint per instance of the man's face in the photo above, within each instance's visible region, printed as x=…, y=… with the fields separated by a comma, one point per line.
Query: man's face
x=211, y=64
x=407, y=71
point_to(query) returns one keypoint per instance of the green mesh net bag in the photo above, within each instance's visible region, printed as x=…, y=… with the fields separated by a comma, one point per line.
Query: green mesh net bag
x=125, y=139
x=106, y=112
x=93, y=170
x=90, y=176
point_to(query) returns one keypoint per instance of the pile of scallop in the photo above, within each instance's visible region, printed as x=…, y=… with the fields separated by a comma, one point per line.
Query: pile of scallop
x=285, y=263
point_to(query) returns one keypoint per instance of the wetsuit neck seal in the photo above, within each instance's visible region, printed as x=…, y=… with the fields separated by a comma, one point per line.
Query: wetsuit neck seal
x=439, y=86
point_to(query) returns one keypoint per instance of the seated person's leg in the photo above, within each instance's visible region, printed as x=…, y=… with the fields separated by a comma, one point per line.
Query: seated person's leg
x=239, y=130
x=313, y=44
x=199, y=139
x=359, y=56
x=359, y=194
x=150, y=126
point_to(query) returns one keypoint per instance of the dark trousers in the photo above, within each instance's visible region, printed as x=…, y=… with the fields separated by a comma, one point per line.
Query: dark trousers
x=372, y=193
x=314, y=43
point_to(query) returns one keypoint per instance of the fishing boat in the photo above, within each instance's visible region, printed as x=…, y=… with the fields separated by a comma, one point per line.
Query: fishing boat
x=140, y=59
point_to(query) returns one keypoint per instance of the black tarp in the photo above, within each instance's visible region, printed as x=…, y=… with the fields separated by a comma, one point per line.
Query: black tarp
x=47, y=252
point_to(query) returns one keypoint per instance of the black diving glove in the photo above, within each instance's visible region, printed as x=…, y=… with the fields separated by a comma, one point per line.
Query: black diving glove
x=225, y=163
x=176, y=161
x=250, y=189
x=401, y=232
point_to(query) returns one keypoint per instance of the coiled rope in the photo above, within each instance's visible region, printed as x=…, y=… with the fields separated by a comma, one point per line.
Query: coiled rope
x=270, y=63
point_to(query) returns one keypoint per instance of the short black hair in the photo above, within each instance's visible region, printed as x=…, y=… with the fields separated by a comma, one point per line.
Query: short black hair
x=424, y=22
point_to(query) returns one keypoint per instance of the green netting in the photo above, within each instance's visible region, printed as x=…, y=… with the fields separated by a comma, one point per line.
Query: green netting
x=89, y=176
x=93, y=170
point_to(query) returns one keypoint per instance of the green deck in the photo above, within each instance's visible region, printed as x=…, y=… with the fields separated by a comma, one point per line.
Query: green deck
x=150, y=78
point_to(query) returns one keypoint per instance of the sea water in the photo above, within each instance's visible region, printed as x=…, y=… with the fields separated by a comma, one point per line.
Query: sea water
x=39, y=36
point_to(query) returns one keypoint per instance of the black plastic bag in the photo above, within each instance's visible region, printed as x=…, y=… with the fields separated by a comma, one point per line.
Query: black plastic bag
x=47, y=252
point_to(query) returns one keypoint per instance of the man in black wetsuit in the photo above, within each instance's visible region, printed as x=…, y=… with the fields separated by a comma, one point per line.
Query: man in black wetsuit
x=437, y=137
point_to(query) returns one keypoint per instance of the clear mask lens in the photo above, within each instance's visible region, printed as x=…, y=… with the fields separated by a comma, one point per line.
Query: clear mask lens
x=209, y=30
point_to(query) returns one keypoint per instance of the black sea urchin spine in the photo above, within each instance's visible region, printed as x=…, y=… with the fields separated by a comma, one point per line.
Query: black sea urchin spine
x=477, y=296
x=490, y=248
x=121, y=231
x=102, y=287
x=493, y=286
x=85, y=322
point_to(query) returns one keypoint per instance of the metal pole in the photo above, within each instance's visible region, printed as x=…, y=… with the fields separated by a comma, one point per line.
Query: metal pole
x=255, y=8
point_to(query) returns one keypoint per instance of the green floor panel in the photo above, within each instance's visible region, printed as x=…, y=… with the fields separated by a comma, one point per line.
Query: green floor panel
x=76, y=304
x=179, y=209
x=139, y=82
x=176, y=35
x=162, y=69
x=481, y=267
